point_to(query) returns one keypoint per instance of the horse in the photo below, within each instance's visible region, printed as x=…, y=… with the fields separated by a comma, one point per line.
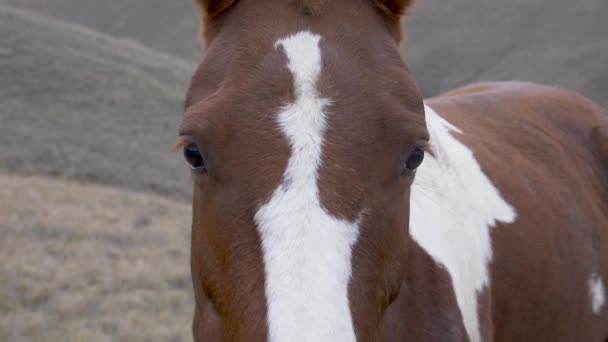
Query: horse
x=331, y=202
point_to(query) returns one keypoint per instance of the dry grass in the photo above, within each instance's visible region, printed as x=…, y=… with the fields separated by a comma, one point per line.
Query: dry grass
x=88, y=263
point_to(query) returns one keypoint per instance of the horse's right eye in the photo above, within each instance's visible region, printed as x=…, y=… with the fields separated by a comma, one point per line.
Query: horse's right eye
x=412, y=162
x=195, y=158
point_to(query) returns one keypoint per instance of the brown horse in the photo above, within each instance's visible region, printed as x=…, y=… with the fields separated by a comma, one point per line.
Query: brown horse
x=316, y=219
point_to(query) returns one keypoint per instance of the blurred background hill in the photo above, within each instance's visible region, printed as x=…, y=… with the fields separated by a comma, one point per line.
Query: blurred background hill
x=82, y=105
x=167, y=26
x=557, y=42
x=71, y=62
x=450, y=43
x=94, y=211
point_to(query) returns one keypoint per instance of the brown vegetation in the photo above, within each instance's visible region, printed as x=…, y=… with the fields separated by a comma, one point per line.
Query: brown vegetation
x=89, y=263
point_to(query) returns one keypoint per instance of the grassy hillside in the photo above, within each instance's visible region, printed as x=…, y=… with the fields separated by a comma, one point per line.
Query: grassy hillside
x=89, y=263
x=79, y=97
x=558, y=42
x=81, y=105
x=451, y=43
x=169, y=26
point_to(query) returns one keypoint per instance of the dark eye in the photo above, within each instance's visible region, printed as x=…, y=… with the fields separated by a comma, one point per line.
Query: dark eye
x=194, y=157
x=412, y=162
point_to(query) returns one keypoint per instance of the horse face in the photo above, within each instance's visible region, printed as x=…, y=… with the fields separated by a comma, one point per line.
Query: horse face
x=304, y=130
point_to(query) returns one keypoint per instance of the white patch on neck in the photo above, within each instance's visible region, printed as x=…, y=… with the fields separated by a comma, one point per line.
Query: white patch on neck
x=596, y=293
x=453, y=206
x=307, y=251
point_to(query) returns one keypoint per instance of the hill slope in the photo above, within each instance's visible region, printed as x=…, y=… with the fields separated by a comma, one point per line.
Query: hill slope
x=169, y=26
x=450, y=43
x=78, y=104
x=558, y=42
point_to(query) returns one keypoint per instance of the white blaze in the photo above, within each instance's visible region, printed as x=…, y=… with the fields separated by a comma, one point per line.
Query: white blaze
x=596, y=293
x=307, y=251
x=453, y=207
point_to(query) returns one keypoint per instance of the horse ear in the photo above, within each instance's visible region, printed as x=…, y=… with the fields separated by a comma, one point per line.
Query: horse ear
x=212, y=8
x=395, y=7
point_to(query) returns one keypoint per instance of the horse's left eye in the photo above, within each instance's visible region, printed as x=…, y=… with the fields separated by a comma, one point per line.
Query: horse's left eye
x=194, y=157
x=412, y=162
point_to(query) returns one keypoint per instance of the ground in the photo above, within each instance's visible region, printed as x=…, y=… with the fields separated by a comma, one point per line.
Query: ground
x=91, y=263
